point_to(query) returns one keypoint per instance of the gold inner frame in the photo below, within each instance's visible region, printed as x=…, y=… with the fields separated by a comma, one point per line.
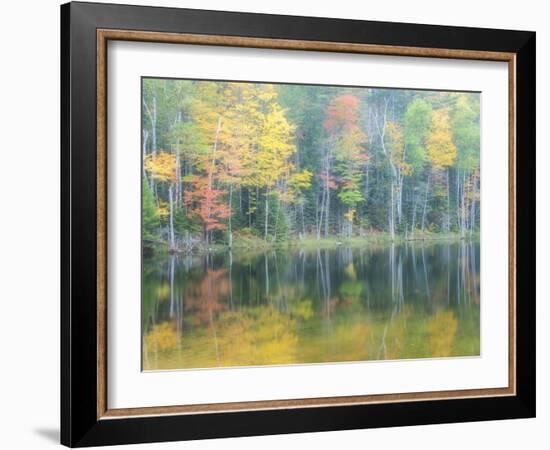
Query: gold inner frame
x=104, y=35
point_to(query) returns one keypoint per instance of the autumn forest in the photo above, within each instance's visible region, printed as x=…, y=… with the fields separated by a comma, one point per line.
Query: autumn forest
x=234, y=164
x=298, y=224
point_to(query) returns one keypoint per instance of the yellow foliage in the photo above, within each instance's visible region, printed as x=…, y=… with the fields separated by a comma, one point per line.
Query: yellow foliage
x=396, y=146
x=162, y=166
x=397, y=334
x=278, y=351
x=349, y=215
x=161, y=337
x=303, y=309
x=350, y=271
x=163, y=292
x=300, y=180
x=234, y=341
x=254, y=139
x=441, y=333
x=352, y=343
x=268, y=93
x=441, y=149
x=256, y=337
x=163, y=209
x=274, y=148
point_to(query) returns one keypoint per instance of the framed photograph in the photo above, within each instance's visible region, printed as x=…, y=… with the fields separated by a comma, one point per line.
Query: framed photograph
x=276, y=224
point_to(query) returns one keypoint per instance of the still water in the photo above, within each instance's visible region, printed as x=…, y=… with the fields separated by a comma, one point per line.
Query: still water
x=311, y=306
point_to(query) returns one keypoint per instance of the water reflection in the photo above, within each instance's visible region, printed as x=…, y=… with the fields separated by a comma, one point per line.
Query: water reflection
x=311, y=305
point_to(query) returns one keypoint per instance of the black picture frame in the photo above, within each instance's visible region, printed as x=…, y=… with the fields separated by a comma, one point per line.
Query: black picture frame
x=80, y=425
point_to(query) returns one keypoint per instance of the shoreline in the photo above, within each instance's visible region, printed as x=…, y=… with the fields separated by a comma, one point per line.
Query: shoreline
x=244, y=244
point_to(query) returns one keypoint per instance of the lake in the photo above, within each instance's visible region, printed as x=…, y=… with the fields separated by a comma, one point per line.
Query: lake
x=302, y=306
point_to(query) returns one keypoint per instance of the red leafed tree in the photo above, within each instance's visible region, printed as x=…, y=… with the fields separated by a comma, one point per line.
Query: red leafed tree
x=207, y=203
x=341, y=119
x=345, y=145
x=342, y=114
x=205, y=299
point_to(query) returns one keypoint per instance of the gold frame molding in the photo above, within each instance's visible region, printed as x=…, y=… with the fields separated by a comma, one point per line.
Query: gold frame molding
x=105, y=35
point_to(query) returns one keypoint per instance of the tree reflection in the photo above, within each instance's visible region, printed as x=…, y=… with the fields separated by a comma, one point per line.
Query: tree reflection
x=338, y=304
x=441, y=333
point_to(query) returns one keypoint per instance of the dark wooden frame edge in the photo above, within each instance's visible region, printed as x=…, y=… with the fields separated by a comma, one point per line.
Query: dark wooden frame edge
x=80, y=425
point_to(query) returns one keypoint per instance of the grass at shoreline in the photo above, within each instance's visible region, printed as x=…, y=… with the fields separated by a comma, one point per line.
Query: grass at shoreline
x=249, y=242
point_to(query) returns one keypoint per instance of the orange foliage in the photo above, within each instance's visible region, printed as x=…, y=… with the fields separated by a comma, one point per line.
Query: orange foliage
x=205, y=298
x=206, y=202
x=341, y=113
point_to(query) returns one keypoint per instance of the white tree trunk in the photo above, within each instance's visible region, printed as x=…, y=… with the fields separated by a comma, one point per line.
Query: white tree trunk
x=448, y=216
x=171, y=200
x=392, y=214
x=266, y=213
x=144, y=149
x=426, y=202
x=230, y=214
x=415, y=203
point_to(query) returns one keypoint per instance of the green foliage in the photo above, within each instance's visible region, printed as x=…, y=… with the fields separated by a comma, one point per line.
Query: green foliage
x=150, y=220
x=281, y=162
x=350, y=196
x=281, y=226
x=188, y=140
x=466, y=131
x=347, y=141
x=416, y=124
x=184, y=223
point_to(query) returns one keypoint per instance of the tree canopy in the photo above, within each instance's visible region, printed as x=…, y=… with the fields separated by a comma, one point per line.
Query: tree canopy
x=286, y=162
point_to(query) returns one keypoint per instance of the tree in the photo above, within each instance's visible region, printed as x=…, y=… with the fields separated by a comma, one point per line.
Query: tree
x=150, y=216
x=237, y=138
x=346, y=142
x=465, y=124
x=440, y=145
x=416, y=126
x=204, y=200
x=206, y=203
x=162, y=167
x=270, y=159
x=441, y=149
x=396, y=148
x=282, y=161
x=392, y=146
x=305, y=107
